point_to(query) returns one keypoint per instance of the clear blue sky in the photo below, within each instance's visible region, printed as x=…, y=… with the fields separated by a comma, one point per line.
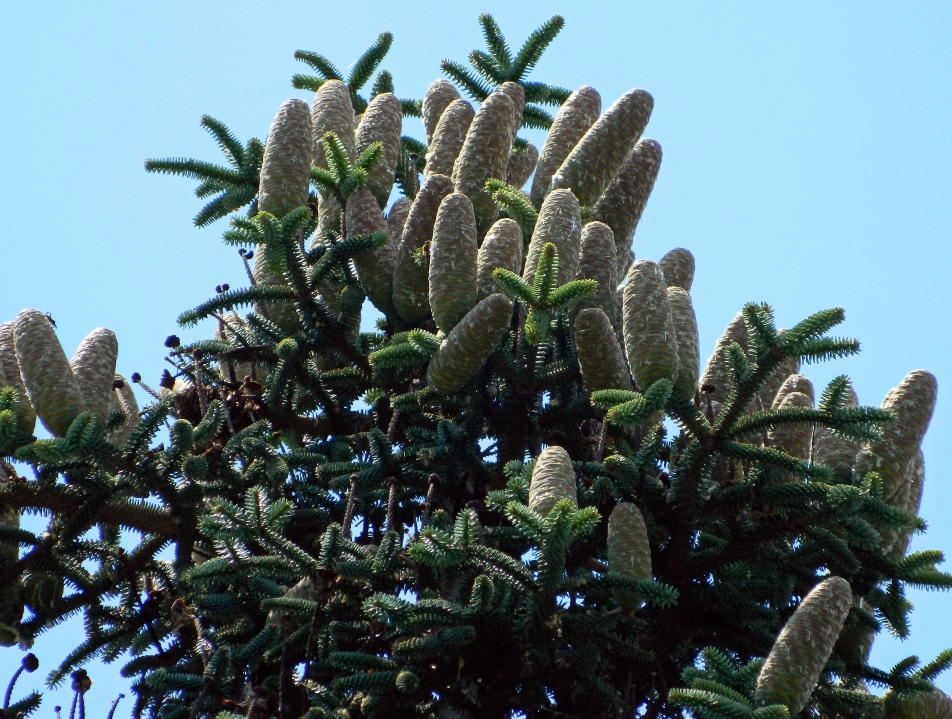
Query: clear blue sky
x=807, y=163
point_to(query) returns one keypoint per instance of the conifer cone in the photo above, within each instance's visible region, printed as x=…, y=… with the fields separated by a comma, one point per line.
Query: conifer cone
x=502, y=247
x=448, y=138
x=285, y=178
x=11, y=599
x=517, y=94
x=233, y=371
x=397, y=220
x=122, y=399
x=439, y=96
x=912, y=403
x=833, y=450
x=452, y=276
x=560, y=222
x=375, y=267
x=794, y=383
x=46, y=373
x=553, y=479
x=623, y=202
x=597, y=262
x=771, y=386
x=629, y=553
x=678, y=268
x=331, y=111
x=522, y=163
x=599, y=355
x=922, y=705
x=94, y=368
x=598, y=156
x=793, y=439
x=648, y=324
x=716, y=374
x=10, y=373
x=463, y=352
x=803, y=647
x=685, y=327
x=411, y=275
x=572, y=121
x=485, y=155
x=381, y=122
x=910, y=499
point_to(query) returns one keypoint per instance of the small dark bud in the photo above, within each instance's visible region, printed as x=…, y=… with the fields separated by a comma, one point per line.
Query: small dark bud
x=663, y=476
x=249, y=255
x=118, y=384
x=242, y=252
x=218, y=289
x=30, y=663
x=198, y=353
x=708, y=388
x=225, y=287
x=167, y=381
x=50, y=318
x=136, y=377
x=172, y=341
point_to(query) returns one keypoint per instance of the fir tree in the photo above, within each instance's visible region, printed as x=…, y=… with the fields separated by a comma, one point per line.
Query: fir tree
x=475, y=510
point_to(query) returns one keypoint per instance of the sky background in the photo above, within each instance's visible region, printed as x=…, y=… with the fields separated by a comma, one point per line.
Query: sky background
x=807, y=163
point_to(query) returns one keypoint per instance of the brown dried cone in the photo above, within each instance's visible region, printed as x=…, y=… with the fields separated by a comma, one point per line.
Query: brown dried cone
x=452, y=276
x=678, y=268
x=685, y=328
x=122, y=399
x=629, y=553
x=771, y=387
x=463, y=352
x=518, y=96
x=560, y=222
x=599, y=354
x=502, y=247
x=794, y=439
x=439, y=95
x=375, y=267
x=834, y=450
x=597, y=262
x=381, y=122
x=922, y=705
x=10, y=374
x=397, y=219
x=599, y=155
x=623, y=202
x=522, y=163
x=410, y=280
x=794, y=383
x=553, y=479
x=912, y=404
x=650, y=339
x=573, y=120
x=485, y=155
x=448, y=138
x=716, y=373
x=285, y=178
x=94, y=368
x=805, y=643
x=331, y=111
x=46, y=373
x=11, y=600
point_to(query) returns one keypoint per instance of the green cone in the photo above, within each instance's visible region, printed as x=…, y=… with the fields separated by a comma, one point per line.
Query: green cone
x=463, y=352
x=833, y=450
x=485, y=155
x=629, y=553
x=623, y=202
x=922, y=705
x=597, y=262
x=801, y=651
x=573, y=120
x=448, y=138
x=46, y=373
x=10, y=372
x=560, y=222
x=411, y=276
x=439, y=95
x=522, y=163
x=452, y=276
x=94, y=368
x=599, y=354
x=650, y=339
x=598, y=156
x=381, y=122
x=375, y=268
x=286, y=167
x=332, y=111
x=912, y=404
x=793, y=439
x=685, y=327
x=502, y=247
x=678, y=268
x=716, y=374
x=553, y=479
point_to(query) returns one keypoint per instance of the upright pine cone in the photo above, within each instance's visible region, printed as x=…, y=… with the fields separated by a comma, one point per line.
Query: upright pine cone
x=522, y=163
x=94, y=369
x=560, y=222
x=448, y=138
x=438, y=96
x=381, y=122
x=599, y=355
x=122, y=399
x=572, y=121
x=833, y=450
x=553, y=479
x=650, y=338
x=10, y=372
x=716, y=377
x=595, y=160
x=794, y=383
x=794, y=439
x=629, y=553
x=46, y=373
x=375, y=267
x=452, y=276
x=472, y=340
x=804, y=645
x=921, y=705
x=331, y=111
x=502, y=247
x=597, y=262
x=517, y=94
x=678, y=268
x=771, y=386
x=685, y=328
